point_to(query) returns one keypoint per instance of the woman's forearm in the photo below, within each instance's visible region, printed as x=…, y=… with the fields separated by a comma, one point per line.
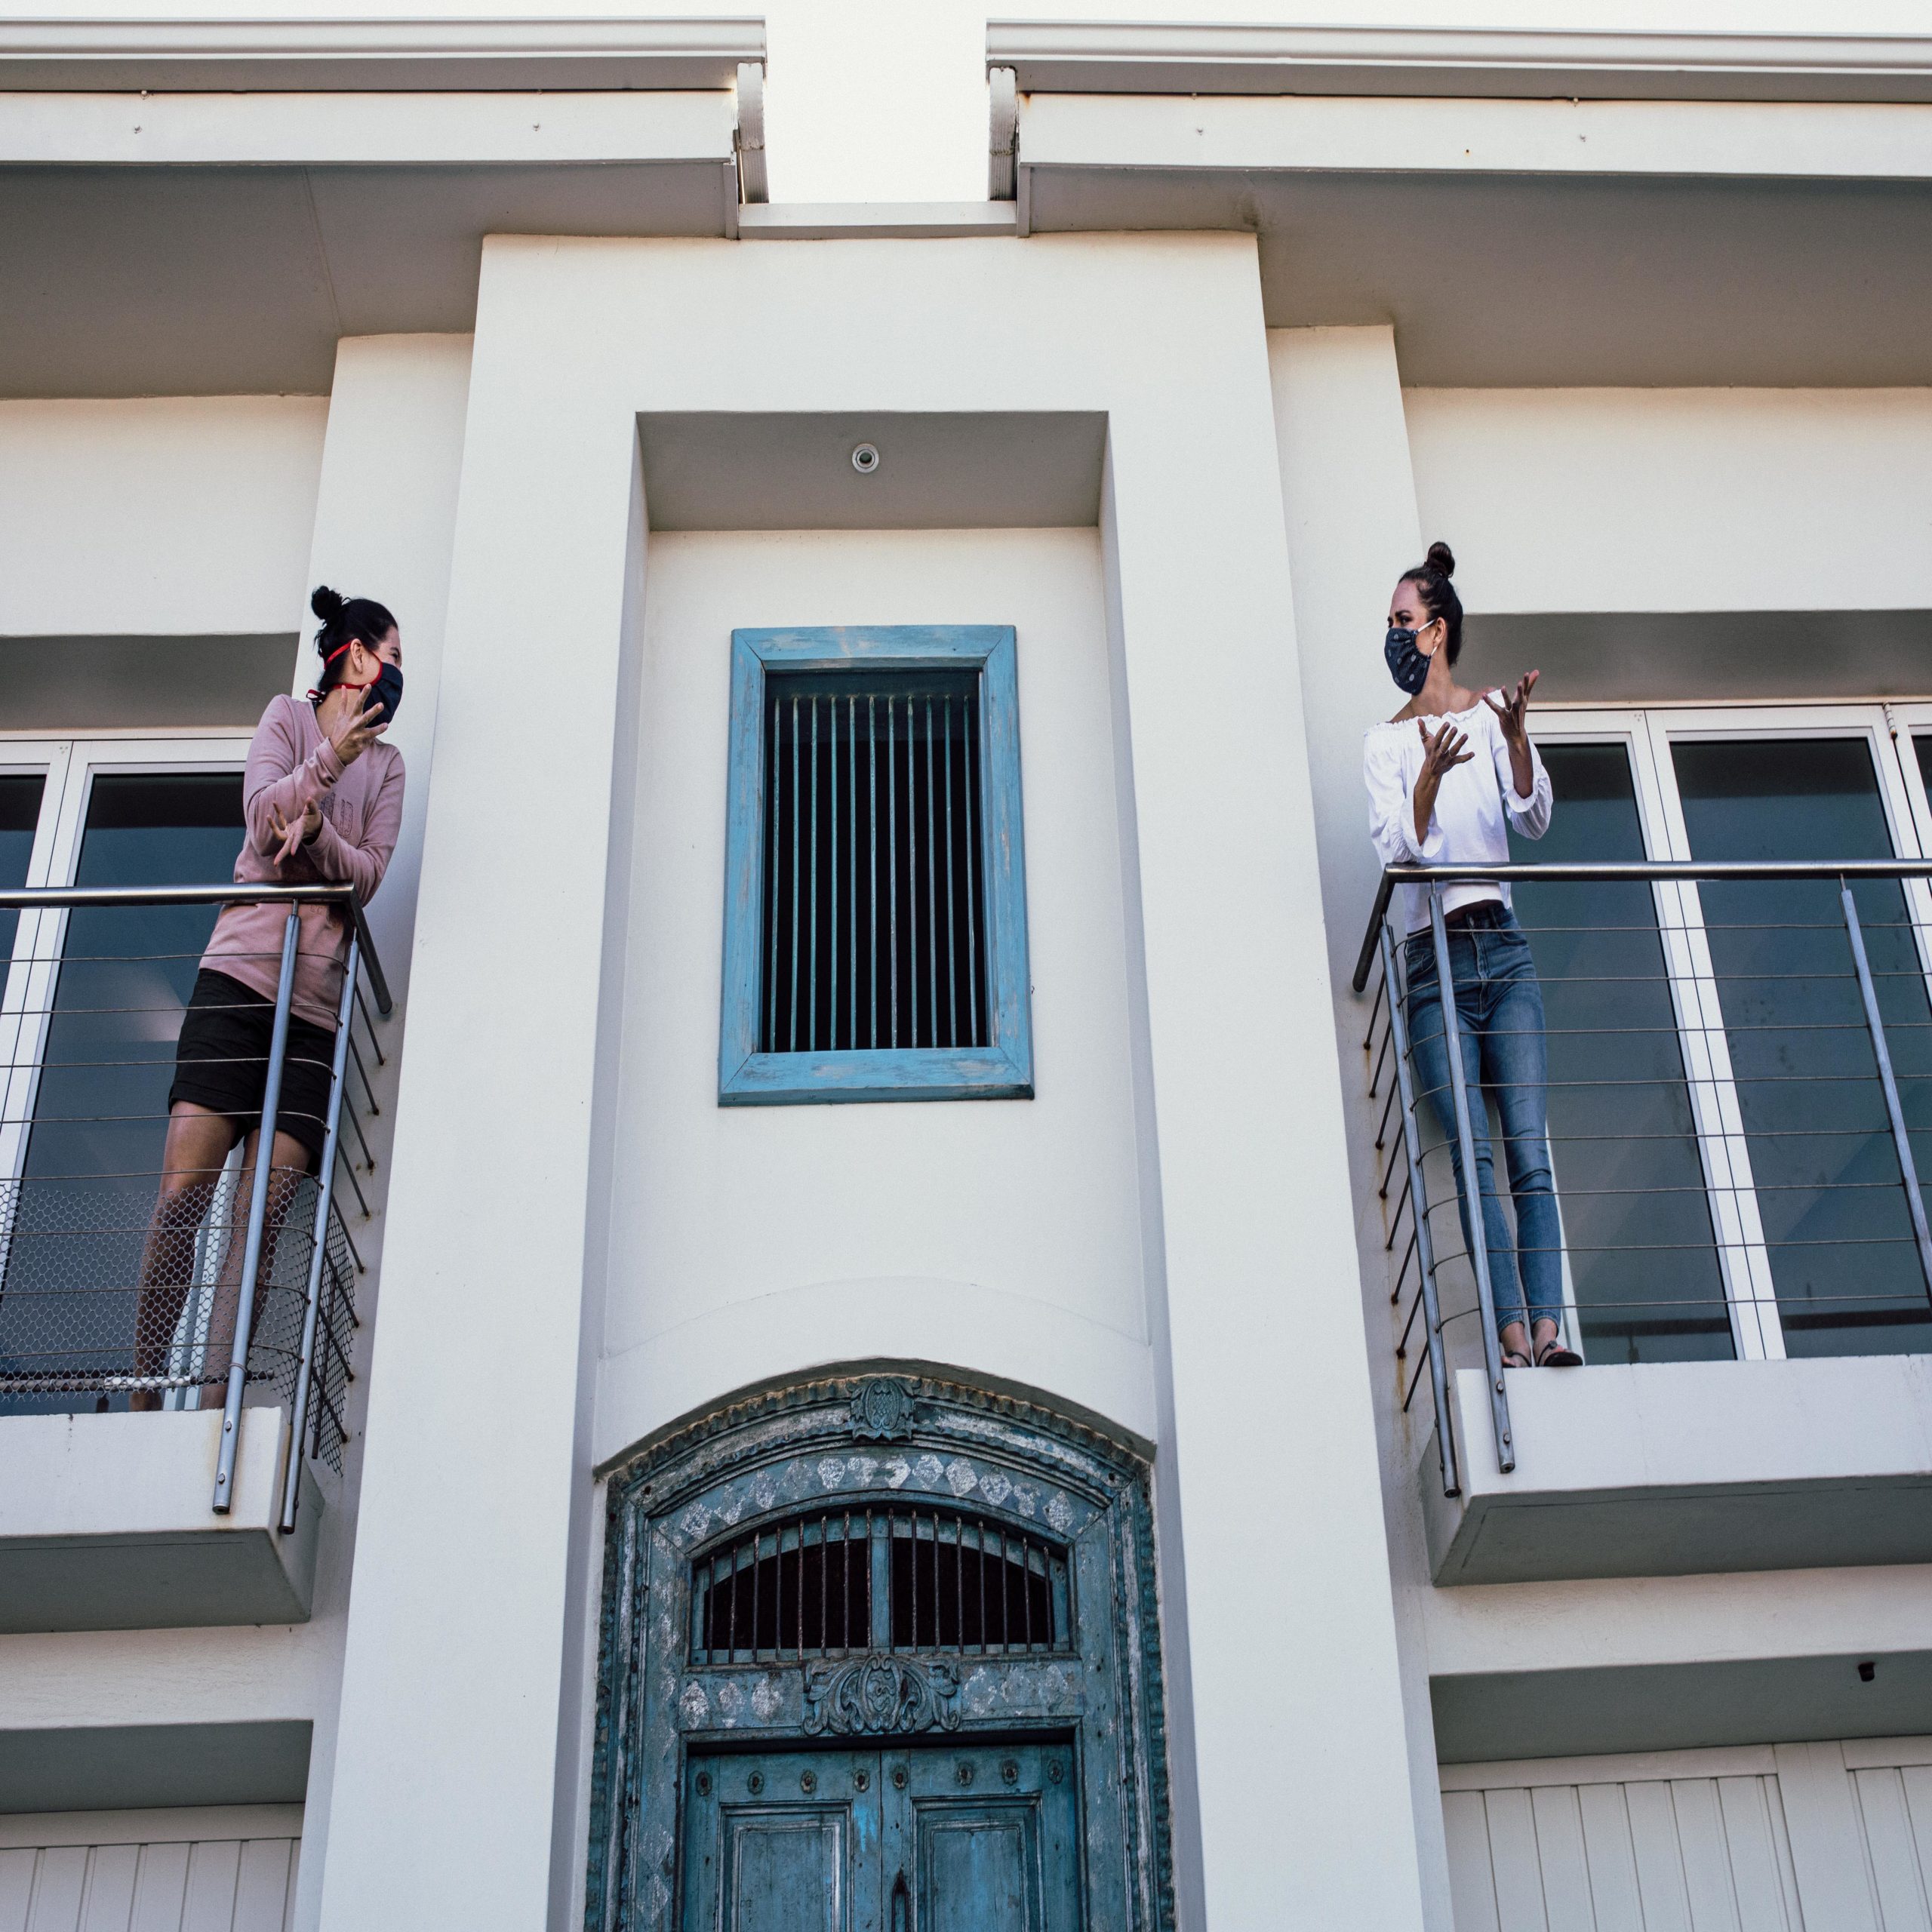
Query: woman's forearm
x=1425, y=810
x=1522, y=769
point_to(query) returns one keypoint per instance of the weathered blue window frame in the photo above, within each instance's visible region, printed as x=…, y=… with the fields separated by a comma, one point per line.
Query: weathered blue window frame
x=1003, y=1069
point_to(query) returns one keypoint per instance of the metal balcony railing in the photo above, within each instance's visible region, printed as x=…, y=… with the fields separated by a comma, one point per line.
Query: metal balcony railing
x=87, y=1030
x=1738, y=1097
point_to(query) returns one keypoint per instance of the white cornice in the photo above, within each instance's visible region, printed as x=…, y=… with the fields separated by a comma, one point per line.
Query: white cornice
x=1126, y=57
x=415, y=55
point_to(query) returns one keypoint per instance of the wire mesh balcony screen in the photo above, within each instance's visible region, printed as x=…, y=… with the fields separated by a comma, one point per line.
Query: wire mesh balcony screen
x=70, y=1303
x=874, y=929
x=898, y=1579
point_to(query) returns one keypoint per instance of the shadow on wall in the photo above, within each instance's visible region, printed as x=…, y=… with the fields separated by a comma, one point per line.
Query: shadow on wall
x=83, y=684
x=1649, y=657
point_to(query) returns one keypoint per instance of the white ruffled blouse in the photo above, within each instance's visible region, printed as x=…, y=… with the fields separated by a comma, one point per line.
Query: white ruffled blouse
x=1476, y=805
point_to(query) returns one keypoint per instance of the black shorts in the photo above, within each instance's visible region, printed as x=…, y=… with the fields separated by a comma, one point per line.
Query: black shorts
x=221, y=1062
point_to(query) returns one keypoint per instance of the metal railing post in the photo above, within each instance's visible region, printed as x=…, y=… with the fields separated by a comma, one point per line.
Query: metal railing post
x=258, y=1204
x=1914, y=1201
x=1492, y=1353
x=291, y=1480
x=1445, y=1434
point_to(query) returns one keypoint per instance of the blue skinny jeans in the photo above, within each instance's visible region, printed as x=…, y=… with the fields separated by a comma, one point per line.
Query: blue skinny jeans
x=1499, y=1012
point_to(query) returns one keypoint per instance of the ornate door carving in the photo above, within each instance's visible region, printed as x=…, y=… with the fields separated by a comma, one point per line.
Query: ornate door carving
x=923, y=1619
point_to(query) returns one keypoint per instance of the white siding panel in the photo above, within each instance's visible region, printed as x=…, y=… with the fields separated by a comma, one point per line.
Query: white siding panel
x=1566, y=1875
x=1612, y=1859
x=1894, y=1847
x=169, y=1884
x=1512, y=1851
x=1660, y=1857
x=1471, y=1883
x=17, y=1888
x=1583, y=1854
x=212, y=1870
x=110, y=1900
x=57, y=1887
x=159, y=1885
x=261, y=1888
x=1706, y=1858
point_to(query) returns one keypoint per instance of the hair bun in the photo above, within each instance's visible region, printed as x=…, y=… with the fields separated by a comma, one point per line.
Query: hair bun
x=326, y=604
x=1441, y=557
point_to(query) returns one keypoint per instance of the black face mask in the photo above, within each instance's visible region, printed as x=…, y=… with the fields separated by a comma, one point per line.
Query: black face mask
x=1406, y=665
x=387, y=691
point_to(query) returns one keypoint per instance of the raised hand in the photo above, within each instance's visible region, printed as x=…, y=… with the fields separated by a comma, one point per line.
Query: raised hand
x=355, y=735
x=1440, y=755
x=1512, y=712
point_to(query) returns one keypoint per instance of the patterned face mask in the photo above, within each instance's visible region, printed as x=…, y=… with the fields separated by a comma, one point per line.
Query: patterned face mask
x=1406, y=665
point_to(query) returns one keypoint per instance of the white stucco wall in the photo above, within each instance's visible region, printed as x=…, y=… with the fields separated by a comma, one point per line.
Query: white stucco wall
x=770, y=1237
x=1243, y=1208
x=1679, y=499
x=162, y=516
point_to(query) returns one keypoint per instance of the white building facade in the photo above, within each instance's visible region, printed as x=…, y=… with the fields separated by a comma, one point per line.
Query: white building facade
x=972, y=1439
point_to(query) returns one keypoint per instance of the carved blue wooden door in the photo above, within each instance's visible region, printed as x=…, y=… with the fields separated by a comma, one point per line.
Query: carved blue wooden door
x=934, y=1838
x=783, y=1841
x=982, y=1838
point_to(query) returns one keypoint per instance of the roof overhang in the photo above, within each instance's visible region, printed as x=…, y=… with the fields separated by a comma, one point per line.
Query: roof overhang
x=391, y=56
x=1691, y=209
x=1486, y=63
x=195, y=208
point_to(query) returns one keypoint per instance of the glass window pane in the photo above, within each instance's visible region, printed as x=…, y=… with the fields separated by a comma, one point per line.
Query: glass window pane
x=1629, y=1181
x=1843, y=1261
x=72, y=1263
x=20, y=813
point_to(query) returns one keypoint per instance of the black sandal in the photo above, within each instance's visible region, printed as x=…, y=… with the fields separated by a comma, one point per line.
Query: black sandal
x=1554, y=1355
x=1515, y=1358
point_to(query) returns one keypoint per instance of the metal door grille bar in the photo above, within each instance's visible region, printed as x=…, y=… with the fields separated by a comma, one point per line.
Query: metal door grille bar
x=889, y=954
x=810, y=1587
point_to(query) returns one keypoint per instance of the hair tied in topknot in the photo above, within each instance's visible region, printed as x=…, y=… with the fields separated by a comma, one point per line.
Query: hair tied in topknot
x=1441, y=557
x=326, y=604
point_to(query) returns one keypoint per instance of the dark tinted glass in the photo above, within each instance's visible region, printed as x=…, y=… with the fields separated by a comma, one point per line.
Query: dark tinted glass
x=126, y=972
x=20, y=813
x=1630, y=1184
x=100, y=1111
x=874, y=929
x=1845, y=1269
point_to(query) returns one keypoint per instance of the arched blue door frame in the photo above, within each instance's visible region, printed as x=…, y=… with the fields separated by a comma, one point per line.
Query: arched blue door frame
x=885, y=1443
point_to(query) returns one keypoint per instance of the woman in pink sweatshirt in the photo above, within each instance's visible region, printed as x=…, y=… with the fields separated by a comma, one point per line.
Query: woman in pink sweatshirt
x=322, y=799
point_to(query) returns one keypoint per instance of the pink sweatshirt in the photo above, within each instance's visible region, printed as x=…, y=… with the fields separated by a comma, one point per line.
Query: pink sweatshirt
x=291, y=764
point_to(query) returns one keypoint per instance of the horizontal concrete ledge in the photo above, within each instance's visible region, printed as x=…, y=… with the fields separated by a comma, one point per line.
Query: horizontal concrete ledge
x=105, y=1524
x=875, y=221
x=1553, y=1714
x=1153, y=57
x=467, y=54
x=1687, y=1469
x=127, y=1767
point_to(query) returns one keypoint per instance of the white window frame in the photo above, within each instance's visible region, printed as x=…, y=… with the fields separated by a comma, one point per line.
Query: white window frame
x=70, y=766
x=1648, y=733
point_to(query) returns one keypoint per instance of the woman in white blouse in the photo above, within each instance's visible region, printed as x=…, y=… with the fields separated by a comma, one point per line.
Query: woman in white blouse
x=1448, y=795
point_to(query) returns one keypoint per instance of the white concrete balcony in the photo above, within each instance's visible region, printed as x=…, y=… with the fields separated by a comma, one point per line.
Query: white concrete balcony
x=167, y=1434
x=105, y=1524
x=1701, y=1127
x=1681, y=1468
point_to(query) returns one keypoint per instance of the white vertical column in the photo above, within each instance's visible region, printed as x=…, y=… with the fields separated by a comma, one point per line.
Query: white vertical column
x=385, y=521
x=445, y=1779
x=1349, y=500
x=1290, y=1712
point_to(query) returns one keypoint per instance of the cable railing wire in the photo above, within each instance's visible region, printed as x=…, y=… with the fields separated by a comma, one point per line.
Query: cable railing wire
x=1776, y=1127
x=108, y=1292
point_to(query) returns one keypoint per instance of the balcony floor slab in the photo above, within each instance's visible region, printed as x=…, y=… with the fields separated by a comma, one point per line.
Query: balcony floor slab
x=105, y=1524
x=1688, y=1468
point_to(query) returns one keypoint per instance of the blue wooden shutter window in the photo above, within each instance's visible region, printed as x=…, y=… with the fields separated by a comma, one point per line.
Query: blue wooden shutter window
x=875, y=898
